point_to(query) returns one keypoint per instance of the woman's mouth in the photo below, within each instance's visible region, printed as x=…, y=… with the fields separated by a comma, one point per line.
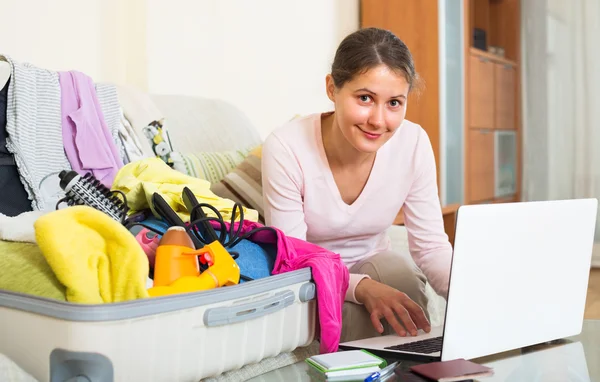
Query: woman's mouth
x=369, y=135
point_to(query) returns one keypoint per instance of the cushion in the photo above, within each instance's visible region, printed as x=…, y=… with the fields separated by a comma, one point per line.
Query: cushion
x=244, y=184
x=198, y=124
x=211, y=166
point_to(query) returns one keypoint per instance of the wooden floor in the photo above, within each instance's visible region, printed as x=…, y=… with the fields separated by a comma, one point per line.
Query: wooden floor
x=592, y=306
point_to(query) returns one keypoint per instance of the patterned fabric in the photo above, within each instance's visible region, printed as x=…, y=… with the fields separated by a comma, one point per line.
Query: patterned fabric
x=244, y=184
x=211, y=166
x=109, y=102
x=158, y=138
x=132, y=145
x=34, y=127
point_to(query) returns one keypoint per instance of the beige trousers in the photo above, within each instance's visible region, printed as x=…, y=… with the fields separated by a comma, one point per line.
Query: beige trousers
x=391, y=269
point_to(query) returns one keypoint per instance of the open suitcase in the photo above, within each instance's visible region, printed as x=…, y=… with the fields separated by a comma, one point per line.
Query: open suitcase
x=174, y=338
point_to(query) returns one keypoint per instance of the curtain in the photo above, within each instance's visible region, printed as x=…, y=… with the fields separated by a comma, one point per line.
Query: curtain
x=561, y=100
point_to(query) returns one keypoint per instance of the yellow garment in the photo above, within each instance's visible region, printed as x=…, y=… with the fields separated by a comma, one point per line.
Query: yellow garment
x=25, y=270
x=96, y=258
x=141, y=179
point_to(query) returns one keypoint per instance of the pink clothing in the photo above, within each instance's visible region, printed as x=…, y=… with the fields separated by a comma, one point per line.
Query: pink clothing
x=302, y=199
x=328, y=271
x=88, y=143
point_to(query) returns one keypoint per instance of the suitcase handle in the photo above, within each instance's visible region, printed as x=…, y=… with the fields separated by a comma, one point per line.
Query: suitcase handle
x=243, y=312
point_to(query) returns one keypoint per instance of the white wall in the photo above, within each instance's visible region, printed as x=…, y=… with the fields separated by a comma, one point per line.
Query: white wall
x=63, y=35
x=269, y=57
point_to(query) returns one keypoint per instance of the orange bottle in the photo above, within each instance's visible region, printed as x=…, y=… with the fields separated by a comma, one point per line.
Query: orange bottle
x=223, y=270
x=171, y=261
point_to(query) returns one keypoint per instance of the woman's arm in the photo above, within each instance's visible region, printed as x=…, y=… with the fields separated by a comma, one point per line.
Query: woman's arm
x=427, y=240
x=282, y=182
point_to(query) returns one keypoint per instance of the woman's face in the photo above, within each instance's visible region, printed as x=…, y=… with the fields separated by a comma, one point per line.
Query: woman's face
x=370, y=108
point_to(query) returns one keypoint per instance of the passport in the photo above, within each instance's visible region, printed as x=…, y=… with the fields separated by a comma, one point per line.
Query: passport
x=451, y=371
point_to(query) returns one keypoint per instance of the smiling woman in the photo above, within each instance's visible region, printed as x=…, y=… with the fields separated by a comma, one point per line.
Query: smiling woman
x=338, y=179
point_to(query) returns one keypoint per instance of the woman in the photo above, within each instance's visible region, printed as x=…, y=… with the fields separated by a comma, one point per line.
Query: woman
x=338, y=179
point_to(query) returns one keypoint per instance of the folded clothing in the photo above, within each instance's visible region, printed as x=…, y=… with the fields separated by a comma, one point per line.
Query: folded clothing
x=25, y=270
x=92, y=255
x=140, y=180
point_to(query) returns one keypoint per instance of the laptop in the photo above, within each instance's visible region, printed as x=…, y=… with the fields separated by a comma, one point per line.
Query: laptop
x=519, y=277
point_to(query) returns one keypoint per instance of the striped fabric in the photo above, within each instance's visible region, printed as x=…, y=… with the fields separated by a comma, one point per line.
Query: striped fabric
x=109, y=102
x=211, y=166
x=244, y=184
x=33, y=123
x=131, y=142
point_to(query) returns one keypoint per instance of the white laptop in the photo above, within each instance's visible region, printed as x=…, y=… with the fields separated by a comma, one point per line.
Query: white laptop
x=519, y=277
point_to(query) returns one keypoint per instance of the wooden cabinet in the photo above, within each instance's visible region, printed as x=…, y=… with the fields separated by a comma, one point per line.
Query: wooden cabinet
x=481, y=90
x=485, y=103
x=492, y=92
x=481, y=165
x=416, y=23
x=492, y=106
x=492, y=101
x=504, y=96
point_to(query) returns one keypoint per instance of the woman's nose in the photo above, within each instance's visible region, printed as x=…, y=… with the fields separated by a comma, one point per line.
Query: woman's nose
x=376, y=118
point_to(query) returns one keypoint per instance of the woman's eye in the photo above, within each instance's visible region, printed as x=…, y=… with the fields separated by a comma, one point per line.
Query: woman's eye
x=364, y=98
x=395, y=103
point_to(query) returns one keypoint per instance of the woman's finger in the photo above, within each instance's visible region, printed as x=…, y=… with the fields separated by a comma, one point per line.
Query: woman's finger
x=393, y=321
x=418, y=315
x=375, y=316
x=406, y=319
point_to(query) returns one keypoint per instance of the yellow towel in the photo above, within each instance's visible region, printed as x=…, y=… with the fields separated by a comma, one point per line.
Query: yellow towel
x=141, y=179
x=96, y=258
x=24, y=269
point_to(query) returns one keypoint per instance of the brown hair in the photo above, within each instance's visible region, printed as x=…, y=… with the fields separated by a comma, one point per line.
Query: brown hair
x=368, y=48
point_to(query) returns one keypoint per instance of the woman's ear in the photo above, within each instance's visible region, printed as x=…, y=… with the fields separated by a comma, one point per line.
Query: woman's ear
x=330, y=87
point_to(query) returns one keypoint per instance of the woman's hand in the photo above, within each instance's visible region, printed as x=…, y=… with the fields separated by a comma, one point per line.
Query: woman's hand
x=384, y=301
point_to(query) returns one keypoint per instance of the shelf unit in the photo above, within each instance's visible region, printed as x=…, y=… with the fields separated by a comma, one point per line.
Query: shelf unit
x=490, y=132
x=492, y=102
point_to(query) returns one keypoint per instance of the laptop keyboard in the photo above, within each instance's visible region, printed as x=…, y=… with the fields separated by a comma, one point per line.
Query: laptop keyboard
x=428, y=346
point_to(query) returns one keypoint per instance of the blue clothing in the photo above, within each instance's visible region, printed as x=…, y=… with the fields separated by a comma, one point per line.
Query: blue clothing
x=255, y=260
